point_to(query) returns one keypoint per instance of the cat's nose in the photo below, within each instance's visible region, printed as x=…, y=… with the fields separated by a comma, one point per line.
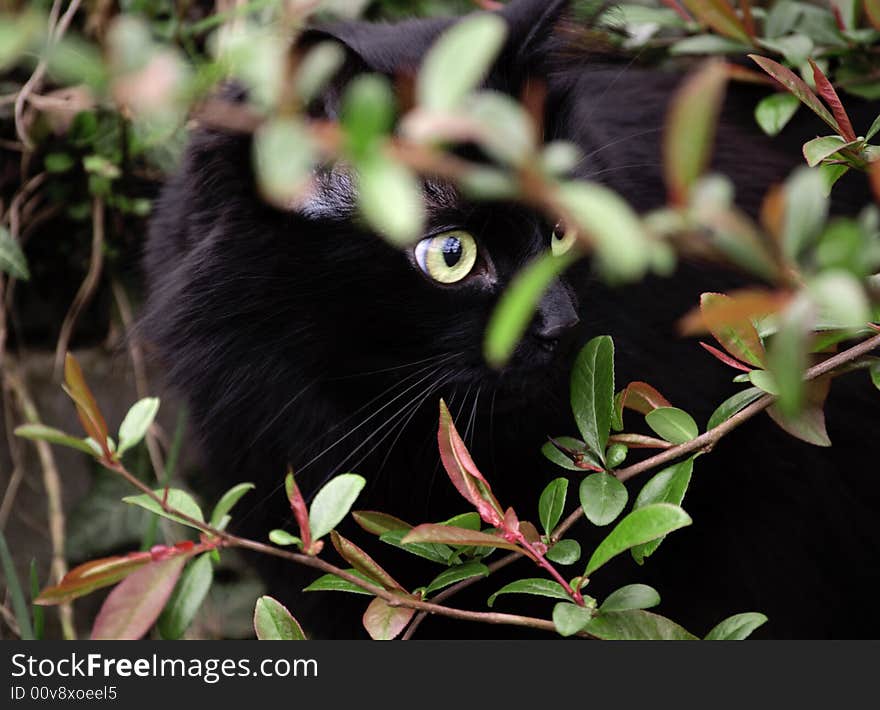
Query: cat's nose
x=556, y=314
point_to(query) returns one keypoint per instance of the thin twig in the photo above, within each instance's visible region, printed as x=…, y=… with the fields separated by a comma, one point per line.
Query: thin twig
x=88, y=287
x=52, y=486
x=391, y=598
x=707, y=440
x=56, y=32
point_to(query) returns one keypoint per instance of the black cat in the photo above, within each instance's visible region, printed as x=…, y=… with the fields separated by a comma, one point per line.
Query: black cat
x=299, y=338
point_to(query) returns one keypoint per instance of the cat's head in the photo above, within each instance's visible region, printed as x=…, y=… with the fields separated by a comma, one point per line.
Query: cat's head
x=246, y=298
x=435, y=298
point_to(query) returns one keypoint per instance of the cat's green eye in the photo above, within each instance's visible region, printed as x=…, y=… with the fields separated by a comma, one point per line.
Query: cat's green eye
x=562, y=240
x=448, y=257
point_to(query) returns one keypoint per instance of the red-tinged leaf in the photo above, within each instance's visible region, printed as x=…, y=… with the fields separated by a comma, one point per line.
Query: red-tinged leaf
x=300, y=510
x=725, y=358
x=748, y=18
x=721, y=17
x=729, y=320
x=448, y=535
x=796, y=86
x=872, y=10
x=463, y=472
x=827, y=92
x=642, y=398
x=809, y=425
x=738, y=306
x=640, y=441
x=92, y=575
x=362, y=562
x=378, y=523
x=273, y=621
x=690, y=129
x=134, y=605
x=511, y=522
x=529, y=532
x=86, y=406
x=384, y=622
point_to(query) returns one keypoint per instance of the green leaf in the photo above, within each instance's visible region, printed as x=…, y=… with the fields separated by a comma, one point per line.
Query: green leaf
x=188, y=595
x=774, y=112
x=690, y=129
x=737, y=627
x=378, y=523
x=136, y=423
x=390, y=199
x=283, y=538
x=874, y=129
x=667, y=486
x=602, y=497
x=12, y=259
x=317, y=68
x=333, y=502
x=470, y=521
x=707, y=44
x=569, y=618
x=442, y=554
x=875, y=374
x=367, y=113
x=818, y=149
x=632, y=596
x=517, y=305
x=636, y=625
x=732, y=405
x=384, y=622
x=534, y=586
x=611, y=226
x=795, y=48
x=592, y=393
x=841, y=299
x=178, y=500
x=457, y=574
x=616, y=455
x=283, y=159
x=16, y=594
x=459, y=61
x=40, y=432
x=228, y=501
x=560, y=459
x=332, y=583
x=273, y=622
x=764, y=381
x=360, y=560
x=552, y=503
x=787, y=357
x=505, y=130
x=796, y=86
x=672, y=424
x=564, y=552
x=640, y=526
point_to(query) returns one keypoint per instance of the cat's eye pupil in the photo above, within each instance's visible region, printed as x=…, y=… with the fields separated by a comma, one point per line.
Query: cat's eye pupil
x=559, y=231
x=452, y=251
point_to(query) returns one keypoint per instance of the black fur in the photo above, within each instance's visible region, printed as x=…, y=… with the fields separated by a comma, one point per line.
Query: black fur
x=281, y=328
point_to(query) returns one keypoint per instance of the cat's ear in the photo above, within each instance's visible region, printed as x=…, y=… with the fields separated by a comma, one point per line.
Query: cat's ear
x=398, y=49
x=390, y=49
